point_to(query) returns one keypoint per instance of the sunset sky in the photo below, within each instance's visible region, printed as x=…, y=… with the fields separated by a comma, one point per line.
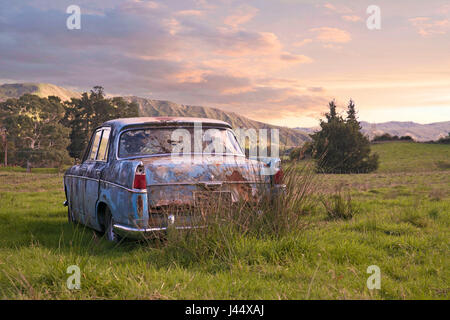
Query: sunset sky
x=274, y=61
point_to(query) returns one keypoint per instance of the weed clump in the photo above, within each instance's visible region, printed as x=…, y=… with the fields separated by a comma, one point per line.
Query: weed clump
x=339, y=205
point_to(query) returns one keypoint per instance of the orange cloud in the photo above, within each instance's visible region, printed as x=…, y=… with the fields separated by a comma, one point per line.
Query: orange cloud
x=426, y=26
x=242, y=15
x=331, y=35
x=351, y=18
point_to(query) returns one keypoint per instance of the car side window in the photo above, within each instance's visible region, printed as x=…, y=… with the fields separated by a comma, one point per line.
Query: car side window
x=95, y=144
x=103, y=149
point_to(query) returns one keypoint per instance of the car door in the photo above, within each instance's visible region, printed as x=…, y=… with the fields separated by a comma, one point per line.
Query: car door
x=98, y=159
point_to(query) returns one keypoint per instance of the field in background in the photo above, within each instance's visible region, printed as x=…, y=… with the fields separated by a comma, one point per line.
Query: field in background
x=402, y=225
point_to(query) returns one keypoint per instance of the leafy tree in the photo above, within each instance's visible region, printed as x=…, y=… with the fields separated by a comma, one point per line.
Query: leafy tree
x=340, y=147
x=83, y=115
x=33, y=131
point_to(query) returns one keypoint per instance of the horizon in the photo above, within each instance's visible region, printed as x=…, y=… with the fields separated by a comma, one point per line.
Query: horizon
x=339, y=110
x=250, y=58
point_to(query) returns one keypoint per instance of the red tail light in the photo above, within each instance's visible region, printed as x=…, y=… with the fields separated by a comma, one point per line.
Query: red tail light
x=139, y=181
x=278, y=177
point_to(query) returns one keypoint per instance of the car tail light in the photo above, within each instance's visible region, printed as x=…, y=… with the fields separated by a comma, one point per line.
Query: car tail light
x=278, y=177
x=139, y=179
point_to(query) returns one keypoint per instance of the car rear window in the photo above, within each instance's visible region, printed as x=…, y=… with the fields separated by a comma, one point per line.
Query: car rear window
x=154, y=141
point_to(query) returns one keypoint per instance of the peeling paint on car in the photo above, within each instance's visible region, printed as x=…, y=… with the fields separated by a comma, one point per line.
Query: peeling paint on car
x=172, y=182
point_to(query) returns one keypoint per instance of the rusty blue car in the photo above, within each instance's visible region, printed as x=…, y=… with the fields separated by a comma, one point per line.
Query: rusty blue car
x=140, y=176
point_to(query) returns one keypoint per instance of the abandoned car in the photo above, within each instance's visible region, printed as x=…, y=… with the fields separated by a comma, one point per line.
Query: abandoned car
x=141, y=176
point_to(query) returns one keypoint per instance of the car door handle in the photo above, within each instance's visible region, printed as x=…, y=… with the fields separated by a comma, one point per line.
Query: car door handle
x=98, y=172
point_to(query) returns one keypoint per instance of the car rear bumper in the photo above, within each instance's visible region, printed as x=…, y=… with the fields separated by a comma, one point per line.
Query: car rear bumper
x=141, y=233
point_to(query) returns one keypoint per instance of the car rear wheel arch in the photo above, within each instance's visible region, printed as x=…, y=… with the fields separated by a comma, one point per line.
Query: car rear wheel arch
x=101, y=214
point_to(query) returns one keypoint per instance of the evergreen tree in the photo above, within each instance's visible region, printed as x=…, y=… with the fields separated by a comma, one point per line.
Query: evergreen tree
x=340, y=147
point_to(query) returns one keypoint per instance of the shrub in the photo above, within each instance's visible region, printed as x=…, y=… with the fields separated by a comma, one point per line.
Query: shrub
x=338, y=205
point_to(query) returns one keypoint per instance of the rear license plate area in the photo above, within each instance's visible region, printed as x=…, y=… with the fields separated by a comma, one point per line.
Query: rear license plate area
x=212, y=200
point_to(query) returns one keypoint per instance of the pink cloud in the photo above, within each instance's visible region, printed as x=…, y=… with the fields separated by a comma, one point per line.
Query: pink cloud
x=426, y=26
x=351, y=18
x=242, y=15
x=190, y=13
x=331, y=35
x=302, y=42
x=297, y=58
x=340, y=9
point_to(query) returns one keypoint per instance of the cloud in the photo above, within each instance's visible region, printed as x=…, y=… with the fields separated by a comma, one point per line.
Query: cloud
x=196, y=13
x=144, y=48
x=243, y=14
x=352, y=18
x=298, y=58
x=331, y=35
x=426, y=26
x=302, y=42
x=337, y=9
x=346, y=13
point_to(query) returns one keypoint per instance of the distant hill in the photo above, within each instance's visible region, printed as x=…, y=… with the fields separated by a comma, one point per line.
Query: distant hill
x=289, y=137
x=154, y=108
x=15, y=90
x=419, y=132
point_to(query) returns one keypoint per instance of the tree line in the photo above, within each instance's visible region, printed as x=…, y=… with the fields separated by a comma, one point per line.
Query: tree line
x=48, y=132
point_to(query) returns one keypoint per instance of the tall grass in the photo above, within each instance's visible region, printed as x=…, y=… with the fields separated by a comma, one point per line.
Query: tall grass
x=225, y=229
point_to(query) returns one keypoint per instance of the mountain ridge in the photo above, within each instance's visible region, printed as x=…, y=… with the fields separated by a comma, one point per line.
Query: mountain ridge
x=418, y=131
x=15, y=90
x=288, y=136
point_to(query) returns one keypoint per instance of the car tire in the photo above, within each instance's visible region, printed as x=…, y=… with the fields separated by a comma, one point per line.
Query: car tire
x=69, y=215
x=109, y=230
x=70, y=218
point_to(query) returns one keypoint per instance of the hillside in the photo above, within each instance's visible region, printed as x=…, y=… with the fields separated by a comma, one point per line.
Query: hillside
x=289, y=137
x=420, y=132
x=153, y=108
x=15, y=90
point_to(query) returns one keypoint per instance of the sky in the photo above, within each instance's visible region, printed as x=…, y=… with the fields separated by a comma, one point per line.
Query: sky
x=279, y=62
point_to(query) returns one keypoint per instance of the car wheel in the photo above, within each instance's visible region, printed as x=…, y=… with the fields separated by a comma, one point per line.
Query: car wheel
x=70, y=218
x=109, y=230
x=69, y=214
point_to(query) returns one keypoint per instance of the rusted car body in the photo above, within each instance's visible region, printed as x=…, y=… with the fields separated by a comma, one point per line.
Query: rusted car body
x=131, y=183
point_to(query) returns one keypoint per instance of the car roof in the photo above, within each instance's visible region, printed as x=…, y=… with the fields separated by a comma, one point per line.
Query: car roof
x=163, y=121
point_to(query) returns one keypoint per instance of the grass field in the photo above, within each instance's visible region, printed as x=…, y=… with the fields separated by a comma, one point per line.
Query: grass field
x=401, y=225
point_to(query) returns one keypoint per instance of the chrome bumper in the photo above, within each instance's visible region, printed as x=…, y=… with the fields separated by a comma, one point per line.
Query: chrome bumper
x=141, y=233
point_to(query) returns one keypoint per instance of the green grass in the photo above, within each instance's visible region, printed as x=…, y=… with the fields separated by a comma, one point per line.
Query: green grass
x=401, y=224
x=412, y=157
x=33, y=170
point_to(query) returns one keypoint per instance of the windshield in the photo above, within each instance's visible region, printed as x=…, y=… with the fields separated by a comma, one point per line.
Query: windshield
x=142, y=142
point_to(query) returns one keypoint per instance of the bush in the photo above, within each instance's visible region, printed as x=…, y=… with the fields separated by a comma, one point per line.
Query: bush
x=445, y=140
x=388, y=137
x=302, y=152
x=339, y=206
